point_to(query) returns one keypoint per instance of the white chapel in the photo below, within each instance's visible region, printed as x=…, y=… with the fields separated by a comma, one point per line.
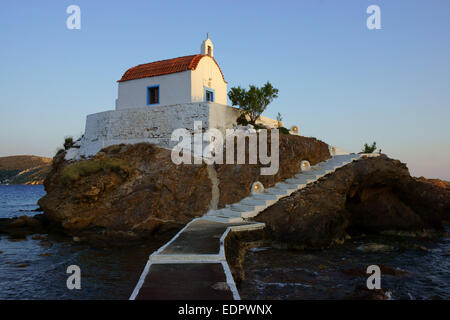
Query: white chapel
x=158, y=97
x=194, y=78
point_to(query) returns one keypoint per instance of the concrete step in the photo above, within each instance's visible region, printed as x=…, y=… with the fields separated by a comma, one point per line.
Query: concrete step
x=224, y=219
x=279, y=193
x=227, y=212
x=251, y=201
x=310, y=173
x=328, y=169
x=315, y=175
x=305, y=179
x=242, y=207
x=297, y=183
x=242, y=212
x=285, y=187
x=266, y=196
x=245, y=208
x=322, y=170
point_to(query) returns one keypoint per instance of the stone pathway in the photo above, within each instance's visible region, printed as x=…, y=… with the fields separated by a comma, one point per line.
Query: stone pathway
x=192, y=265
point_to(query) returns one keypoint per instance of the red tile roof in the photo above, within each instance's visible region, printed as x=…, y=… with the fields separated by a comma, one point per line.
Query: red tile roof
x=159, y=68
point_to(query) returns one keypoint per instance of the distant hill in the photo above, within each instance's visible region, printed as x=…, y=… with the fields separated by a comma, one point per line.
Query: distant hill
x=24, y=169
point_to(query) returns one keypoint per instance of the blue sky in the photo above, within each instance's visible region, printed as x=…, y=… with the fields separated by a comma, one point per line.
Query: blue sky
x=338, y=81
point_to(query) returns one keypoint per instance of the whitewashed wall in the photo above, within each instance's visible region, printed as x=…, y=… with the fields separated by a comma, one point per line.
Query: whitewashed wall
x=174, y=88
x=207, y=74
x=222, y=117
x=153, y=125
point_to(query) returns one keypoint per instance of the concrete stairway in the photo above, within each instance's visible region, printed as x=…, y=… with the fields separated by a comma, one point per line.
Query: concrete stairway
x=254, y=204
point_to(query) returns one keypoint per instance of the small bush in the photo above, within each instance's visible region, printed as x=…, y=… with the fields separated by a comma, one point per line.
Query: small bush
x=242, y=120
x=75, y=171
x=369, y=149
x=68, y=143
x=283, y=130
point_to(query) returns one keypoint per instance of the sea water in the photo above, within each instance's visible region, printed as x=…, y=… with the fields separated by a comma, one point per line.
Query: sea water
x=36, y=267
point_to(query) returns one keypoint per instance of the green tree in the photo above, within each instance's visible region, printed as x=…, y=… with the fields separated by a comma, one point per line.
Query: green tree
x=253, y=101
x=369, y=149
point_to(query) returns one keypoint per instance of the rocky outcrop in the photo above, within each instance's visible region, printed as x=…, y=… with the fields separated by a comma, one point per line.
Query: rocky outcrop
x=23, y=226
x=134, y=191
x=370, y=195
x=125, y=191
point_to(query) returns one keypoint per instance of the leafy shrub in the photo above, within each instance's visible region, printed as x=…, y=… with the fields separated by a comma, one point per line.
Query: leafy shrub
x=242, y=120
x=68, y=143
x=74, y=172
x=283, y=130
x=369, y=149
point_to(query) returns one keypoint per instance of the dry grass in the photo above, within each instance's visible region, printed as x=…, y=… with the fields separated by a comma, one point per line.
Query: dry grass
x=74, y=172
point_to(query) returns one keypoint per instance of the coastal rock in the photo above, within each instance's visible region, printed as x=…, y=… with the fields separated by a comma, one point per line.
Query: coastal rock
x=368, y=196
x=126, y=188
x=363, y=293
x=24, y=225
x=136, y=191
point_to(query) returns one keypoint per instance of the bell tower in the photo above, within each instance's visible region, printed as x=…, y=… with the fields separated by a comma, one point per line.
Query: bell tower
x=207, y=47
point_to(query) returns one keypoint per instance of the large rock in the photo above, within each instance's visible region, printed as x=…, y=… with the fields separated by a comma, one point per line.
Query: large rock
x=136, y=190
x=125, y=190
x=371, y=195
